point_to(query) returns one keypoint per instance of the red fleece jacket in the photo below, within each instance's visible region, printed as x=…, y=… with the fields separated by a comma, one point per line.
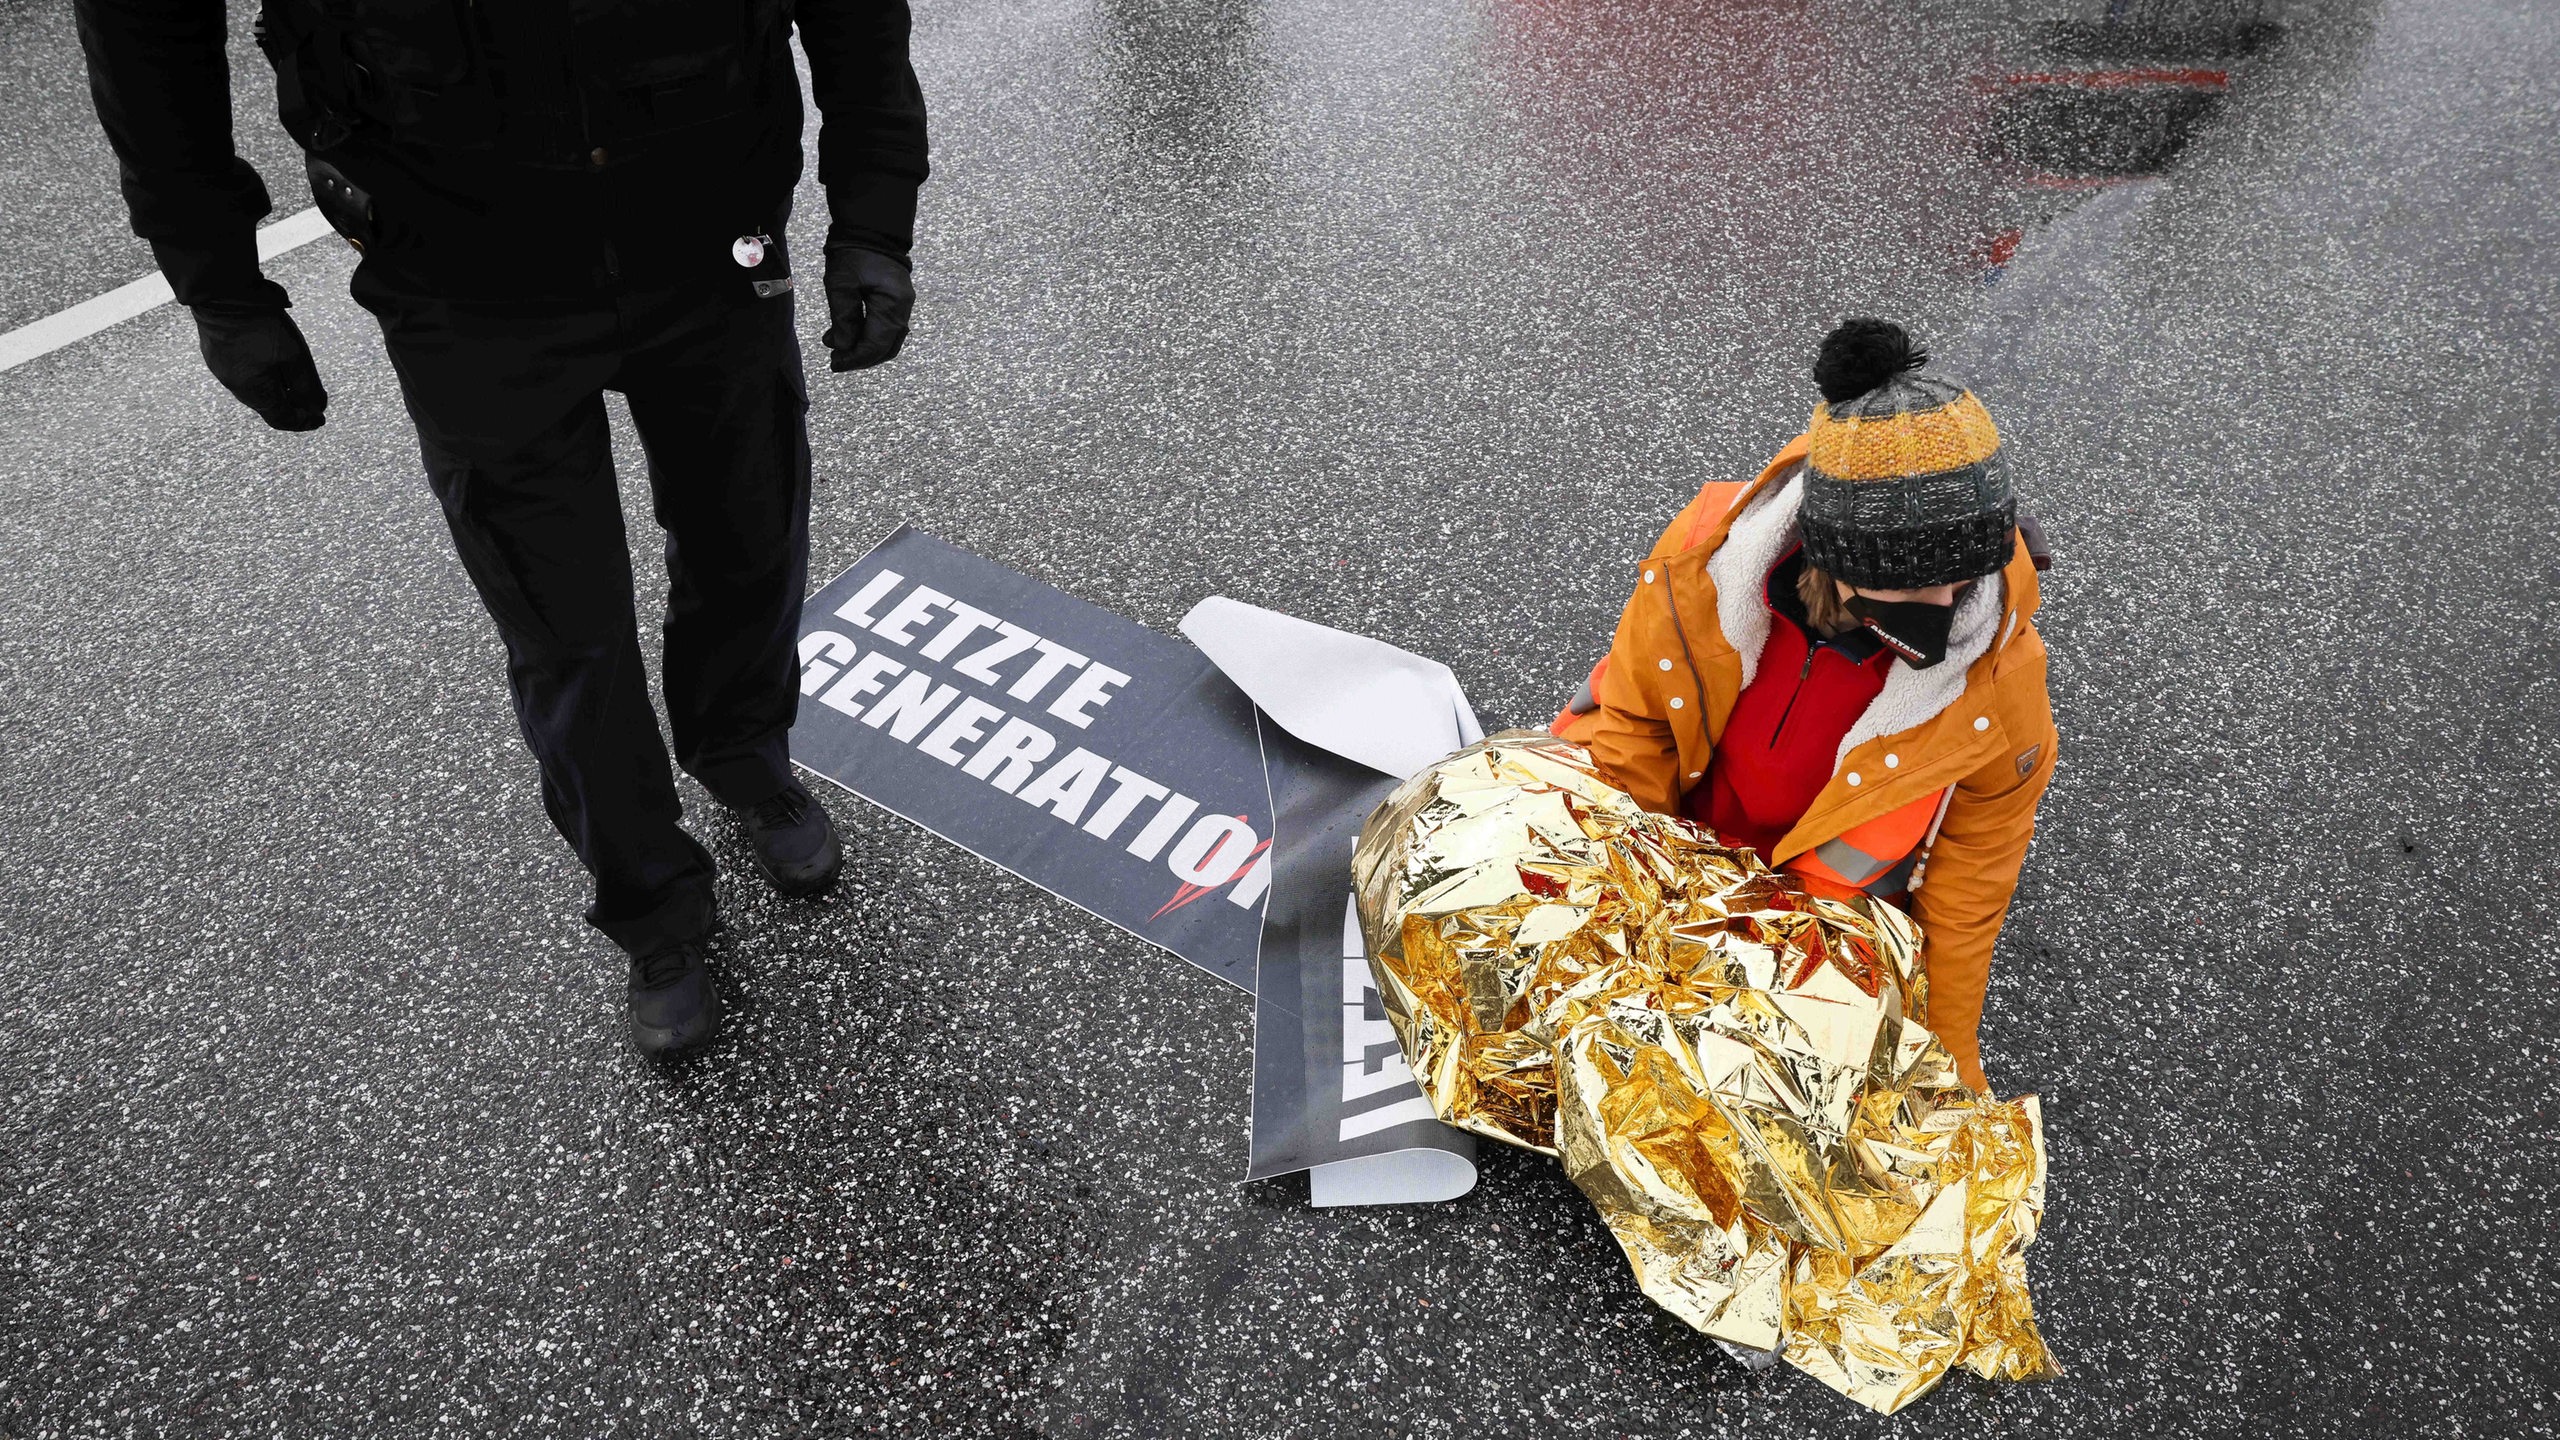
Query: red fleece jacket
x=1780, y=747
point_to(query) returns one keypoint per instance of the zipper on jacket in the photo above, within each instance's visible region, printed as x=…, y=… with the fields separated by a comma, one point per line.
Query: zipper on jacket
x=1781, y=728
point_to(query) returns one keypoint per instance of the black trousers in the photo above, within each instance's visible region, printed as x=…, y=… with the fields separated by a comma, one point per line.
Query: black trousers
x=509, y=404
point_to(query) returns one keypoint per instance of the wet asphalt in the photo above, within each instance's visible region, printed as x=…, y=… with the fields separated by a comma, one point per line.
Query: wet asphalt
x=315, y=1112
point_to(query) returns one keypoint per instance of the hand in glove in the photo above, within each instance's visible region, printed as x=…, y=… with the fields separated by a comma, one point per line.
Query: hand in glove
x=869, y=296
x=258, y=355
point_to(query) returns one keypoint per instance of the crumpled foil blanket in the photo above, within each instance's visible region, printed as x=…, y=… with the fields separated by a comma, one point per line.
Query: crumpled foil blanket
x=1735, y=1072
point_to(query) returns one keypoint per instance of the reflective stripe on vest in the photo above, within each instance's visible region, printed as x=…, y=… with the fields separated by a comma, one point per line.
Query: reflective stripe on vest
x=1875, y=857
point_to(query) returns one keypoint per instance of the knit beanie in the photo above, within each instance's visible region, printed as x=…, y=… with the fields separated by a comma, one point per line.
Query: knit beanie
x=1904, y=483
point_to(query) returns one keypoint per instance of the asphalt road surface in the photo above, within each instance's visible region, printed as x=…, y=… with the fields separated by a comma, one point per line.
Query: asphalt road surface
x=316, y=1116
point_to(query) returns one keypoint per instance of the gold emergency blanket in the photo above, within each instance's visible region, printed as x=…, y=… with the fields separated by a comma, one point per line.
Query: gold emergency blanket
x=1732, y=1070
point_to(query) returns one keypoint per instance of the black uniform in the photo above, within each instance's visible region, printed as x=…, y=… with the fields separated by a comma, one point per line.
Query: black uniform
x=556, y=198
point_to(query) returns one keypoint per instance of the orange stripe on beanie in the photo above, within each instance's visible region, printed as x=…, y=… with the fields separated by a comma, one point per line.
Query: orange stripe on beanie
x=1879, y=420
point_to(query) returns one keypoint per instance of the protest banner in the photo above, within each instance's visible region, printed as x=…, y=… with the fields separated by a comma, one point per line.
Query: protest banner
x=1331, y=1091
x=1345, y=719
x=1125, y=772
x=1108, y=764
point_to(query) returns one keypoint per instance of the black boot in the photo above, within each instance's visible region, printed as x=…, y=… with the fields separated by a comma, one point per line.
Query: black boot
x=673, y=1004
x=795, y=842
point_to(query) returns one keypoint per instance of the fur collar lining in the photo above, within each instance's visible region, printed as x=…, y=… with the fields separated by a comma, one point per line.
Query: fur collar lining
x=1739, y=568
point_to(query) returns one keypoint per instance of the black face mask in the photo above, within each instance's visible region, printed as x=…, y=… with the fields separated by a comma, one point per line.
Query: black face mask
x=1913, y=629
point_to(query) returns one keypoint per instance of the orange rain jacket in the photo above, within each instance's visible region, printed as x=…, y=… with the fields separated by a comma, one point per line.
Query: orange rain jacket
x=1936, y=786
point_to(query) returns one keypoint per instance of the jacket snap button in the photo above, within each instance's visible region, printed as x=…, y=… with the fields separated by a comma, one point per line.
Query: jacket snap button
x=1648, y=577
x=1675, y=702
x=1665, y=664
x=1982, y=722
x=597, y=155
x=1853, y=777
x=1892, y=761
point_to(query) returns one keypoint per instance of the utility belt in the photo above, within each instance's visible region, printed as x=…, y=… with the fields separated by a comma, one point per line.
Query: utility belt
x=526, y=241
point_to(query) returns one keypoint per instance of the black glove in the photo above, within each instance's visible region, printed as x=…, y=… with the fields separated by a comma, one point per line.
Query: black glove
x=258, y=355
x=869, y=296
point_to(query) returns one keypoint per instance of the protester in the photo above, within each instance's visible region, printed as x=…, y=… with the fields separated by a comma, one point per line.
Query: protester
x=553, y=202
x=1835, y=665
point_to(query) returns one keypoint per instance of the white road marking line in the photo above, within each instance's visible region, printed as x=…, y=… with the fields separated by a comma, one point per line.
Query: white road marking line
x=291, y=232
x=87, y=318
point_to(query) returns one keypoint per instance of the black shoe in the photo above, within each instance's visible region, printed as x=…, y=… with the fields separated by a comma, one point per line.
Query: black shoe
x=795, y=842
x=673, y=1004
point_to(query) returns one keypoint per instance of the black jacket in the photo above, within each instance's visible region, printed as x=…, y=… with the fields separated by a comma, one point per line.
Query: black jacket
x=512, y=149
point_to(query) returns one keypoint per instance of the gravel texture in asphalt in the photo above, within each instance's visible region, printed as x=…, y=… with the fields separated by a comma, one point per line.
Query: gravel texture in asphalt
x=316, y=1115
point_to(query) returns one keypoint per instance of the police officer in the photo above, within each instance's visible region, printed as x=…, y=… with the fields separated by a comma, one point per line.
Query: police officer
x=555, y=198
